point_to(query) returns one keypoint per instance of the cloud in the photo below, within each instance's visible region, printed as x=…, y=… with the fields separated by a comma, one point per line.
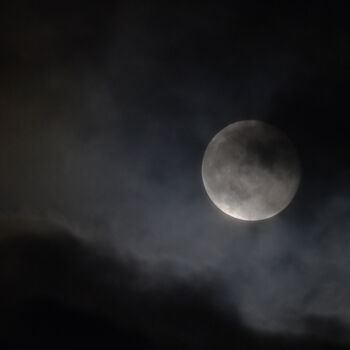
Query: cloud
x=59, y=292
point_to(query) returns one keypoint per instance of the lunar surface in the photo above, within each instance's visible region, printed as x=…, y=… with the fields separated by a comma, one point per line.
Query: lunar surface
x=251, y=170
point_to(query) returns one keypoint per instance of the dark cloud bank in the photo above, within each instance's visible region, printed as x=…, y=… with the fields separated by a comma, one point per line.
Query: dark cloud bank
x=60, y=293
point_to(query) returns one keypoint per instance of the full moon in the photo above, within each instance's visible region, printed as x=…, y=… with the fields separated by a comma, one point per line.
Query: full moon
x=251, y=170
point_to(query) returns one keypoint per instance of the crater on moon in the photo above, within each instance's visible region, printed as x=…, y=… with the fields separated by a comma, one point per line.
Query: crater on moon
x=251, y=170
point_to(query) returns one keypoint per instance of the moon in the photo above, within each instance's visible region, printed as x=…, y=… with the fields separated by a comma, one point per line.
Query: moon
x=251, y=170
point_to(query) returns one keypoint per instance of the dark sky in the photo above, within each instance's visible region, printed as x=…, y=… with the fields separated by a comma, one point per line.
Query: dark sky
x=106, y=111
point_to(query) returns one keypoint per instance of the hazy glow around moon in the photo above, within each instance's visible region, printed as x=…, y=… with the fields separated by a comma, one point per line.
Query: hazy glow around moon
x=251, y=170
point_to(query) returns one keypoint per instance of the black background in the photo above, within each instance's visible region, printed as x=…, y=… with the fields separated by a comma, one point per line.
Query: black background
x=106, y=110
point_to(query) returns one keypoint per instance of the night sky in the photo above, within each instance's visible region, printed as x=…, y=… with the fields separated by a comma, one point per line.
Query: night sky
x=108, y=237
